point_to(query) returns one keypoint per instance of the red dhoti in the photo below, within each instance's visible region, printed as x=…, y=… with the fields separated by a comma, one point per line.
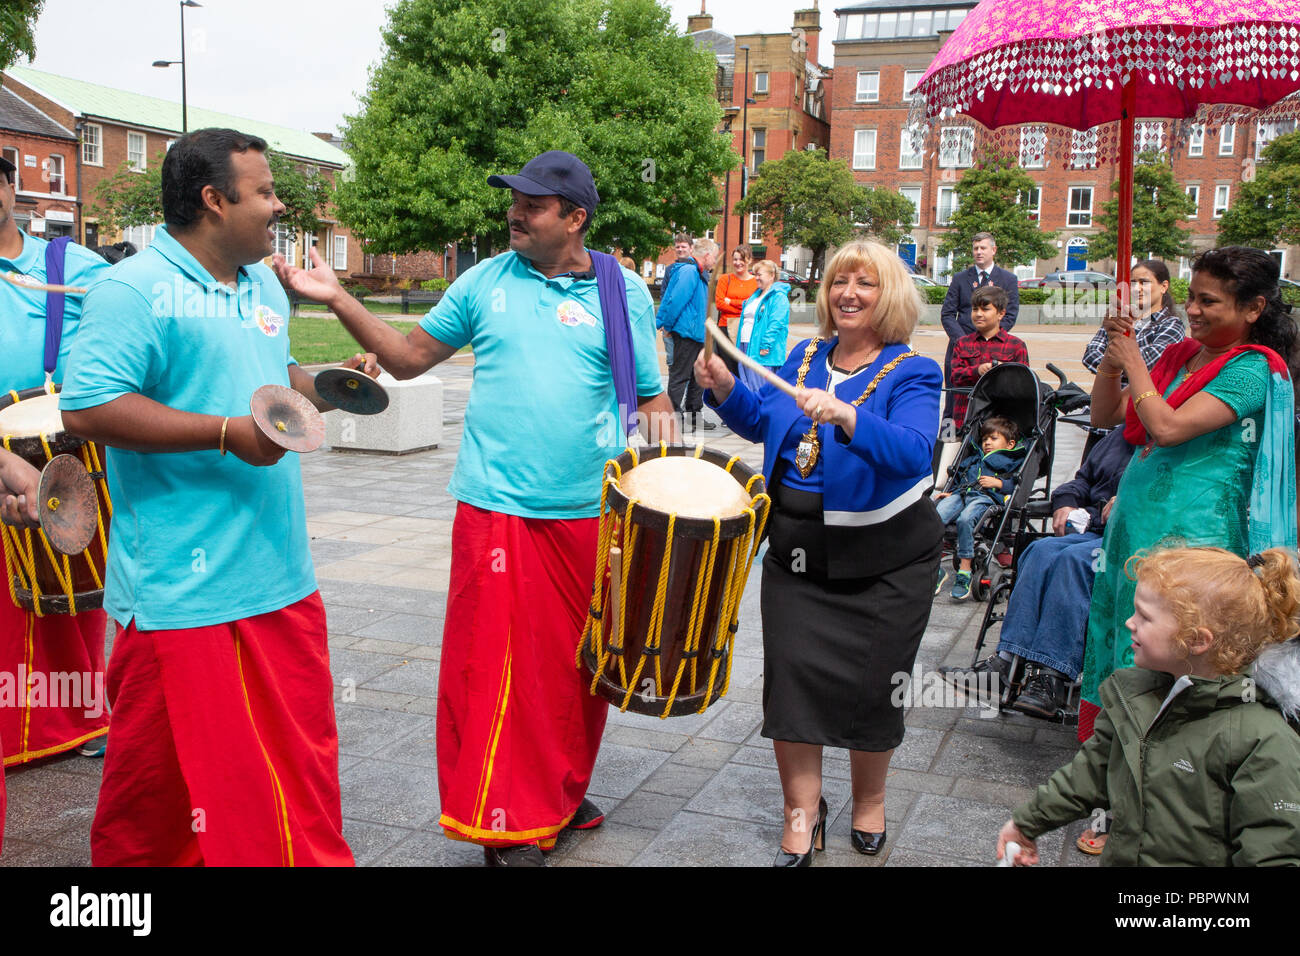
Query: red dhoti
x=517, y=730
x=51, y=682
x=224, y=750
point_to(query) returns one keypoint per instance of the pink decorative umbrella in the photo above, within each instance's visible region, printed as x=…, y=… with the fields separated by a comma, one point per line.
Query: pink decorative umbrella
x=1081, y=64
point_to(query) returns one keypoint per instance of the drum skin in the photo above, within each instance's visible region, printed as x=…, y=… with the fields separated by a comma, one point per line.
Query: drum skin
x=27, y=445
x=692, y=545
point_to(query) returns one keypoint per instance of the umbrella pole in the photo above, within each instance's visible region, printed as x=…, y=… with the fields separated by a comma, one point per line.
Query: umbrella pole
x=1124, y=243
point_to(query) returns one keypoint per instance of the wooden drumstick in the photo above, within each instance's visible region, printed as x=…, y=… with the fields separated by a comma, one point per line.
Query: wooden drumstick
x=726, y=345
x=27, y=282
x=616, y=597
x=712, y=309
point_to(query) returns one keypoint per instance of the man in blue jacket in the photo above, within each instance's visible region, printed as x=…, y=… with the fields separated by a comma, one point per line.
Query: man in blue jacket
x=955, y=314
x=681, y=316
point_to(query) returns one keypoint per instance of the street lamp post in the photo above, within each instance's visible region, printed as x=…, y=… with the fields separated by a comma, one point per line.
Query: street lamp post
x=744, y=147
x=185, y=117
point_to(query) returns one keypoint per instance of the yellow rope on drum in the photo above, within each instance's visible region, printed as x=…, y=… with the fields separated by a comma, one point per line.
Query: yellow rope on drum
x=703, y=578
x=656, y=628
x=11, y=560
x=603, y=532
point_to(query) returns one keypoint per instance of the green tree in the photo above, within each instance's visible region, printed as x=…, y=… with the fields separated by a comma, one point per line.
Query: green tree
x=993, y=196
x=1266, y=210
x=128, y=198
x=468, y=90
x=17, y=25
x=807, y=199
x=1159, y=205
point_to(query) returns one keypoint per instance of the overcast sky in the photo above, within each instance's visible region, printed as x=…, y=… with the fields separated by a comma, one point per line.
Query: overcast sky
x=299, y=63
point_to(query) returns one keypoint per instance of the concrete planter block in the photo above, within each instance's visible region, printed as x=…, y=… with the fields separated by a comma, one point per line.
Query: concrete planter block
x=412, y=421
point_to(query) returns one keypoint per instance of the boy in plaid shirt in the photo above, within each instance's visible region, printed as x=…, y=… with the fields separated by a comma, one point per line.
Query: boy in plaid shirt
x=988, y=345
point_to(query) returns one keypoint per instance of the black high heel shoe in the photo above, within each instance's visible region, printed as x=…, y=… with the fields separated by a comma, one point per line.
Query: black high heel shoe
x=864, y=841
x=818, y=842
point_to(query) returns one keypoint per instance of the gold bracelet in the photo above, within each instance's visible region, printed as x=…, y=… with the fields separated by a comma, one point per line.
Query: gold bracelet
x=221, y=445
x=1145, y=395
x=1101, y=374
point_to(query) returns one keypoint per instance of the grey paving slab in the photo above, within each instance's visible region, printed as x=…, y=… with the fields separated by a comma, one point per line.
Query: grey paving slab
x=410, y=628
x=383, y=791
x=966, y=829
x=370, y=841
x=418, y=677
x=999, y=759
x=613, y=844
x=621, y=769
x=364, y=731
x=424, y=848
x=742, y=792
x=342, y=619
x=43, y=803
x=357, y=666
x=735, y=723
x=325, y=550
x=702, y=839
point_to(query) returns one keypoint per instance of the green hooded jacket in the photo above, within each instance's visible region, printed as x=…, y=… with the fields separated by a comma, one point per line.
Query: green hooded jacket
x=1195, y=772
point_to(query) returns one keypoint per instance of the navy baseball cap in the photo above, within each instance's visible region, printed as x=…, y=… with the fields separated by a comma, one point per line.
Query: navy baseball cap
x=7, y=169
x=554, y=173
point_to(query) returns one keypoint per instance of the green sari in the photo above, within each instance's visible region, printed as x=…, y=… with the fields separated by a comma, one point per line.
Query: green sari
x=1188, y=495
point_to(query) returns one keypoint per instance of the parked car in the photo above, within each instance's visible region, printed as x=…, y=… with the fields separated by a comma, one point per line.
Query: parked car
x=921, y=280
x=793, y=280
x=1070, y=279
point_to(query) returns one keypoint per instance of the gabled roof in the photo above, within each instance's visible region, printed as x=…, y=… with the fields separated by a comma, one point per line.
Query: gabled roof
x=20, y=116
x=135, y=109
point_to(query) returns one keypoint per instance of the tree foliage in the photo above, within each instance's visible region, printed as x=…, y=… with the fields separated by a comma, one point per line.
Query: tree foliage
x=468, y=90
x=1159, y=205
x=128, y=198
x=1266, y=210
x=17, y=30
x=992, y=197
x=807, y=199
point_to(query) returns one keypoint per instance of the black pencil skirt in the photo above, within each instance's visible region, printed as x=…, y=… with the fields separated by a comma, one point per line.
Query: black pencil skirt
x=836, y=651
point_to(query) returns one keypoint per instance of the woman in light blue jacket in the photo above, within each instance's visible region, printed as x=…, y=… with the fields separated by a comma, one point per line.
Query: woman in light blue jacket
x=764, y=323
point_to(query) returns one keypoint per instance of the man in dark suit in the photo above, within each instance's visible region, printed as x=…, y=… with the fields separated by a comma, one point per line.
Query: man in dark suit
x=956, y=304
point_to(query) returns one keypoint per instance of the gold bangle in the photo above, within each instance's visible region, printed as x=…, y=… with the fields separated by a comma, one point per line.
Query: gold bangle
x=1145, y=395
x=1101, y=374
x=221, y=444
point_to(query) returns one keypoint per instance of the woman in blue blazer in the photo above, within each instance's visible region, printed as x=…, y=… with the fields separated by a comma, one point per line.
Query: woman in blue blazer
x=854, y=541
x=764, y=323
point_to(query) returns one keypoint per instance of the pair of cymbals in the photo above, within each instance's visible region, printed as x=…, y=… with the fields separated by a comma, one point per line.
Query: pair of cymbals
x=351, y=390
x=290, y=420
x=67, y=506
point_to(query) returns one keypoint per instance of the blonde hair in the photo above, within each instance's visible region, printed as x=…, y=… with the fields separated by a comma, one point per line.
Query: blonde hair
x=1246, y=608
x=704, y=247
x=767, y=265
x=898, y=307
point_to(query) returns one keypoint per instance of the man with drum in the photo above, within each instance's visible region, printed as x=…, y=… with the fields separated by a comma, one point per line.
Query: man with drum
x=517, y=729
x=53, y=648
x=225, y=748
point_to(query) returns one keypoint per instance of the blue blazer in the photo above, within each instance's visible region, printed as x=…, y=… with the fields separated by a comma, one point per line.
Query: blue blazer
x=885, y=468
x=771, y=325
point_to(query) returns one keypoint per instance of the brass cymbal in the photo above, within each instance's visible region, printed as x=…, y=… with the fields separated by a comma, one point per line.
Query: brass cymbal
x=287, y=418
x=351, y=390
x=67, y=506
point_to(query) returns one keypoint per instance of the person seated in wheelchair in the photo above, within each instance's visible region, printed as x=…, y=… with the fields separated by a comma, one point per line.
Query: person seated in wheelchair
x=983, y=479
x=1047, y=614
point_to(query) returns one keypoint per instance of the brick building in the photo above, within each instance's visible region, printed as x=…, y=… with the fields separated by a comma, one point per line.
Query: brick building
x=116, y=127
x=882, y=49
x=42, y=149
x=789, y=94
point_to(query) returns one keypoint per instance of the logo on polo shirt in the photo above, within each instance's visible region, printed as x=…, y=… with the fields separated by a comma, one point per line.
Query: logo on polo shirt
x=571, y=313
x=268, y=320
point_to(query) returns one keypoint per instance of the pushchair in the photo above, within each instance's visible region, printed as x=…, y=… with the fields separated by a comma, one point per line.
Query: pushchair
x=1013, y=391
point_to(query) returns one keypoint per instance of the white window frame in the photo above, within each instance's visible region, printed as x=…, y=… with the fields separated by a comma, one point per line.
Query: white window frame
x=868, y=88
x=1194, y=194
x=1223, y=190
x=50, y=175
x=286, y=241
x=1265, y=133
x=1196, y=140
x=1078, y=217
x=907, y=158
x=139, y=236
x=143, y=164
x=861, y=158
x=1228, y=139
x=1033, y=147
x=904, y=191
x=910, y=79
x=956, y=147
x=1144, y=132
x=760, y=82
x=14, y=155
x=1083, y=148
x=340, y=253
x=942, y=267
x=92, y=144
x=1037, y=209
x=953, y=202
x=755, y=228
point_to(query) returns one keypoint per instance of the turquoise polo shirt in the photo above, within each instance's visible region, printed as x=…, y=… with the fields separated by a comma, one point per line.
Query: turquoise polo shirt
x=22, y=312
x=542, y=418
x=198, y=538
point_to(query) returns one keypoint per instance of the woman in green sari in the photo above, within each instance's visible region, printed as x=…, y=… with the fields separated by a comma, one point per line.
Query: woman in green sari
x=1213, y=422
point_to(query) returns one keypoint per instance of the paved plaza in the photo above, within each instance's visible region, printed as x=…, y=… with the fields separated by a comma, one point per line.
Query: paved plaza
x=688, y=791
